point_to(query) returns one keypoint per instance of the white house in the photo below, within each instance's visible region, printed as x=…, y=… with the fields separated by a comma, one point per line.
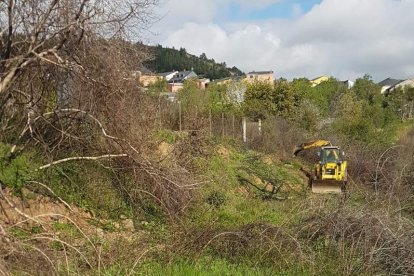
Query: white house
x=168, y=75
x=388, y=85
x=406, y=83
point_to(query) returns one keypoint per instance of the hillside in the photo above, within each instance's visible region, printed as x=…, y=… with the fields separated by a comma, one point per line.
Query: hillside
x=167, y=59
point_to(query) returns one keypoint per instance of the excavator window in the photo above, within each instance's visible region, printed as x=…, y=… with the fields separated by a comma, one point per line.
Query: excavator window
x=330, y=156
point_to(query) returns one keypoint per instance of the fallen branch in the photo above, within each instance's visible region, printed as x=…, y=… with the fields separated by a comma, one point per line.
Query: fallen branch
x=77, y=158
x=132, y=271
x=63, y=243
x=47, y=258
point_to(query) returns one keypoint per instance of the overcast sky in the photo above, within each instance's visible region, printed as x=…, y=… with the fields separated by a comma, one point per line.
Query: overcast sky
x=295, y=38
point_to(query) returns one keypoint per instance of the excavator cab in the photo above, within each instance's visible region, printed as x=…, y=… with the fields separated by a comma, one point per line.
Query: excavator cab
x=330, y=155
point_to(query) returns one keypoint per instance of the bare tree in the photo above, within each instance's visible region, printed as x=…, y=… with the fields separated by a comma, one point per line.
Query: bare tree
x=66, y=91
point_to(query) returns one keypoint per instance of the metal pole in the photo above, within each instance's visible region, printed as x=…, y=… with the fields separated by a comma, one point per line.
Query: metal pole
x=222, y=123
x=233, y=127
x=179, y=112
x=260, y=126
x=211, y=124
x=159, y=110
x=244, y=130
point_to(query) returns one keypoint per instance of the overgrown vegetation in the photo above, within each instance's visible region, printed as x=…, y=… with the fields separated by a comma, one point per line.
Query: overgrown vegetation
x=98, y=177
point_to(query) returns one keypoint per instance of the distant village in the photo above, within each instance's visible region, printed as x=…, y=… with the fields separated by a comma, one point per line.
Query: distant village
x=175, y=80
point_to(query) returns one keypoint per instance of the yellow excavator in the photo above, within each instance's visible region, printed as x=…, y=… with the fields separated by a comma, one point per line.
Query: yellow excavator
x=330, y=173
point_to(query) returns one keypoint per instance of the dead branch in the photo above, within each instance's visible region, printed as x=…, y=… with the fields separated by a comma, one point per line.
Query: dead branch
x=132, y=271
x=77, y=158
x=43, y=254
x=63, y=243
x=65, y=217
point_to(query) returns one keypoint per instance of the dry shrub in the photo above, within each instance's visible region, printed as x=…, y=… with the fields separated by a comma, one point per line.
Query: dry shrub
x=156, y=188
x=406, y=160
x=278, y=136
x=361, y=160
x=364, y=241
x=261, y=243
x=105, y=112
x=387, y=171
x=27, y=259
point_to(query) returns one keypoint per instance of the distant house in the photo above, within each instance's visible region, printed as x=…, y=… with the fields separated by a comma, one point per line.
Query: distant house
x=347, y=84
x=389, y=84
x=176, y=80
x=319, y=80
x=182, y=76
x=405, y=83
x=168, y=75
x=203, y=83
x=266, y=76
x=175, y=87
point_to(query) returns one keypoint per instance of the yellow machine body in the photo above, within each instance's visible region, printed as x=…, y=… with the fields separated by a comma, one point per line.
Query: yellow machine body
x=330, y=173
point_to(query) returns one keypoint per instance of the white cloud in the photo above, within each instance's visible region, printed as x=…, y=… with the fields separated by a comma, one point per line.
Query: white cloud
x=341, y=38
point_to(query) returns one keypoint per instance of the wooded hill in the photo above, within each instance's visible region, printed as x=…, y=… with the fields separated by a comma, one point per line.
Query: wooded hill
x=170, y=59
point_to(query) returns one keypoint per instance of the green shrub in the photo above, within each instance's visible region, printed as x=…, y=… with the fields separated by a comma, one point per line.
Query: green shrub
x=166, y=136
x=216, y=199
x=17, y=170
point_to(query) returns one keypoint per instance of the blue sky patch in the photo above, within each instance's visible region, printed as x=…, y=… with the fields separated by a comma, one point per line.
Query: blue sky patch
x=284, y=9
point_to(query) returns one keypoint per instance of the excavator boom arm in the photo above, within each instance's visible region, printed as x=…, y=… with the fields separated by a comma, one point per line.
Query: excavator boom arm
x=309, y=145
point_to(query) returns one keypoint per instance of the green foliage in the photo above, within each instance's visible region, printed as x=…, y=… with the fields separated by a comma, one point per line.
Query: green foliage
x=259, y=100
x=167, y=136
x=67, y=229
x=19, y=233
x=52, y=102
x=401, y=102
x=225, y=97
x=161, y=85
x=15, y=171
x=90, y=186
x=229, y=202
x=287, y=99
x=167, y=59
x=217, y=99
x=303, y=86
x=362, y=116
x=324, y=94
x=264, y=99
x=216, y=199
x=192, y=97
x=365, y=89
x=308, y=116
x=205, y=267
